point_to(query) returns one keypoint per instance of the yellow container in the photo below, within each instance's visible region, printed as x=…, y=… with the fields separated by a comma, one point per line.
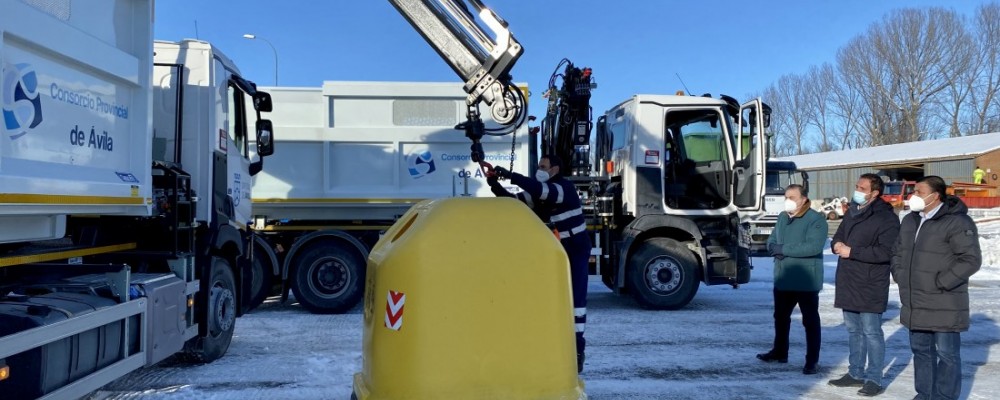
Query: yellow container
x=468, y=298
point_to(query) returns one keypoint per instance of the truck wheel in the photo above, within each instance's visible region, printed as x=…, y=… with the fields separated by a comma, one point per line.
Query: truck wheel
x=663, y=274
x=328, y=278
x=260, y=279
x=220, y=318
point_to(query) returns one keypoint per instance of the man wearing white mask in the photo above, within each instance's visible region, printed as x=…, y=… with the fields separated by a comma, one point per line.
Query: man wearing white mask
x=863, y=243
x=555, y=200
x=797, y=246
x=936, y=253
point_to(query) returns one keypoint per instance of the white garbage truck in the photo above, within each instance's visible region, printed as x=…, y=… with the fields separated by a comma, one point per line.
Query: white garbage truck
x=124, y=195
x=351, y=159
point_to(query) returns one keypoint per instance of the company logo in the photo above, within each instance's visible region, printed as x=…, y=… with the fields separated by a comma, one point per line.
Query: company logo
x=22, y=105
x=420, y=164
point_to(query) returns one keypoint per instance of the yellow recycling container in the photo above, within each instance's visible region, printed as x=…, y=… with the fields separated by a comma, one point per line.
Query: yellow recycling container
x=468, y=298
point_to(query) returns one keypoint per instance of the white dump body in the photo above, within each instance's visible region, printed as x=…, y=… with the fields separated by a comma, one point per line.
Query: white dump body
x=369, y=150
x=75, y=127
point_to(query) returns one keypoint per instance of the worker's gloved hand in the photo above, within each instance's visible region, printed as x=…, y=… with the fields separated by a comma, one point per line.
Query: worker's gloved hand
x=502, y=172
x=492, y=180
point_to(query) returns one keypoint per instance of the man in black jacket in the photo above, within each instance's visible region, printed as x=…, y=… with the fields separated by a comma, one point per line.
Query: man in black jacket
x=864, y=242
x=936, y=253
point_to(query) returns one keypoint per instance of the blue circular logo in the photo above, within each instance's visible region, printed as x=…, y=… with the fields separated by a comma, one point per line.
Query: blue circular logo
x=22, y=105
x=420, y=164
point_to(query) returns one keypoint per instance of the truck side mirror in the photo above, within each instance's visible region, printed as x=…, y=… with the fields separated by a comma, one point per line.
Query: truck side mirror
x=262, y=102
x=767, y=115
x=265, y=137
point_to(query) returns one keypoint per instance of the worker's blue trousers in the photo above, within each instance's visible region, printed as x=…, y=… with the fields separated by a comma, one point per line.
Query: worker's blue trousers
x=578, y=250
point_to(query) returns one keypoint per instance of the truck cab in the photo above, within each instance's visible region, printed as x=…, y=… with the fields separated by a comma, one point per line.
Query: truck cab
x=124, y=197
x=679, y=179
x=897, y=193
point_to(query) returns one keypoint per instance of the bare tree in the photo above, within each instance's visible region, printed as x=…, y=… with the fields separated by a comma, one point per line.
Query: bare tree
x=817, y=100
x=964, y=71
x=983, y=101
x=918, y=46
x=869, y=77
x=845, y=105
x=789, y=118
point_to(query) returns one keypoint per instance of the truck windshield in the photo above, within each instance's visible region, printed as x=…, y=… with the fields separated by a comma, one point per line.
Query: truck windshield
x=777, y=180
x=893, y=190
x=703, y=137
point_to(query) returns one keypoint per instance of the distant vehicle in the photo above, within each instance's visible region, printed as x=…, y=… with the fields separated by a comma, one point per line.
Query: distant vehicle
x=897, y=193
x=779, y=175
x=834, y=208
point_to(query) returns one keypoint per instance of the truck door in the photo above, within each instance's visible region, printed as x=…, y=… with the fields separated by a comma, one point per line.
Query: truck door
x=749, y=167
x=237, y=154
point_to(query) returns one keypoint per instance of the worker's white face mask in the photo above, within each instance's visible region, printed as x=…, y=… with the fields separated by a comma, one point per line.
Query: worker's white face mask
x=791, y=207
x=917, y=203
x=541, y=176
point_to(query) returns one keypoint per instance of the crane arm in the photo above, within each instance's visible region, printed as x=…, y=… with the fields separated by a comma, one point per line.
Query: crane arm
x=481, y=60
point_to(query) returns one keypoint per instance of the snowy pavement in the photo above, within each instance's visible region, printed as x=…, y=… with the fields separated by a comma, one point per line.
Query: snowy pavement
x=705, y=351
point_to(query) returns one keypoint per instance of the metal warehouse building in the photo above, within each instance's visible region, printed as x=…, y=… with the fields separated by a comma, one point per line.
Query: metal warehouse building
x=834, y=173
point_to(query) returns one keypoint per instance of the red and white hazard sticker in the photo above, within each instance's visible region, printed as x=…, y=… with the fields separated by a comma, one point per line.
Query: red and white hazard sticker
x=394, y=310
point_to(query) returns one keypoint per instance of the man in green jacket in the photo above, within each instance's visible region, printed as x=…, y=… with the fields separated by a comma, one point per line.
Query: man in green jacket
x=936, y=253
x=797, y=245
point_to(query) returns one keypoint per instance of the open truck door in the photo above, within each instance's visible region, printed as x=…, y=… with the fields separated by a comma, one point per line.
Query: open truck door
x=750, y=164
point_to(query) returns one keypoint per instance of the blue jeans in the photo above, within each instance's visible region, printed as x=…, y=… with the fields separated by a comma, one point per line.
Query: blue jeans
x=937, y=364
x=866, y=342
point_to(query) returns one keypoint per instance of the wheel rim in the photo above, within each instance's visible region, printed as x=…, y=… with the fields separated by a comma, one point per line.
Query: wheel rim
x=328, y=277
x=223, y=309
x=663, y=275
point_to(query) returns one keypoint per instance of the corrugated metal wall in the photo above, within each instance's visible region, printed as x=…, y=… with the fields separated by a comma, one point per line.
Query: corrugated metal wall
x=840, y=182
x=953, y=170
x=830, y=183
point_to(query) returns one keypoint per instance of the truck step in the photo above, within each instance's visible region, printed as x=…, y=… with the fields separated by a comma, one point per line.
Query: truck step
x=717, y=253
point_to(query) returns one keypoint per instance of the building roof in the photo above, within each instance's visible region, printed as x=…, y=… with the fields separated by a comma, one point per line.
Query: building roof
x=903, y=153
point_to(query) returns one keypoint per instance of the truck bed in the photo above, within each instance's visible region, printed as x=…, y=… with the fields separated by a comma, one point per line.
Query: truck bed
x=76, y=99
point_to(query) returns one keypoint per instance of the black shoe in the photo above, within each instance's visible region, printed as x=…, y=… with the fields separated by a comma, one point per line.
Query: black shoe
x=870, y=389
x=846, y=381
x=772, y=357
x=810, y=369
x=579, y=361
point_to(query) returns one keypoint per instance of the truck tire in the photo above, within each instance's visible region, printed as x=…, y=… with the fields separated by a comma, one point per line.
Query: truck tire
x=261, y=276
x=219, y=314
x=329, y=277
x=663, y=274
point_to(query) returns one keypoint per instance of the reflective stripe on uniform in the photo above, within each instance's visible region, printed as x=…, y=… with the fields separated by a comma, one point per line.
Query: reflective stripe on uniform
x=545, y=192
x=559, y=194
x=566, y=215
x=580, y=327
x=574, y=231
x=526, y=198
x=580, y=311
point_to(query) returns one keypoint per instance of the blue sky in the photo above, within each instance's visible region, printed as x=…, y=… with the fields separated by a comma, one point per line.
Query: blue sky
x=634, y=46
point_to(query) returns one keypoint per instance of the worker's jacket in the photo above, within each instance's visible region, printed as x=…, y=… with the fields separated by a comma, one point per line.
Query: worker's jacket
x=555, y=201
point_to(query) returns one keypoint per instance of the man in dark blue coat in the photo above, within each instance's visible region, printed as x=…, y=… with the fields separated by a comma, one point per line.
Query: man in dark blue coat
x=555, y=200
x=864, y=242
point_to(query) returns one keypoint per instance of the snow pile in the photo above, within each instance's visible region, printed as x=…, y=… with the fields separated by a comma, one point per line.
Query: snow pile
x=989, y=243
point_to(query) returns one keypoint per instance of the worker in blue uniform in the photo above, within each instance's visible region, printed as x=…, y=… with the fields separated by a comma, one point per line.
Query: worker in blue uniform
x=555, y=200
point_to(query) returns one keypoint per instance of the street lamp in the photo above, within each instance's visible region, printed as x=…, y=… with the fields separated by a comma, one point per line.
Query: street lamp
x=252, y=37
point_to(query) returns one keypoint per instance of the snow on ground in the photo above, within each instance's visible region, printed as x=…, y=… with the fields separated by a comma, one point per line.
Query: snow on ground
x=705, y=351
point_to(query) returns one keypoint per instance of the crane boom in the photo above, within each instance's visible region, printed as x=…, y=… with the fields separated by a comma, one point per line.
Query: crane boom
x=481, y=60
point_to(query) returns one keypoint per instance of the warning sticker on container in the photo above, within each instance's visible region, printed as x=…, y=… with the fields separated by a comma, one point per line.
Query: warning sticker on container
x=394, y=310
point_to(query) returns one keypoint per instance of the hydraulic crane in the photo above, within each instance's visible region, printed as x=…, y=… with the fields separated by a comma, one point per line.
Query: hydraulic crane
x=481, y=60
